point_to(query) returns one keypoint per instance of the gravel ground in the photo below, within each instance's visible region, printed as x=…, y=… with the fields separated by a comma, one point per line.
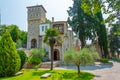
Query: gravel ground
x=101, y=71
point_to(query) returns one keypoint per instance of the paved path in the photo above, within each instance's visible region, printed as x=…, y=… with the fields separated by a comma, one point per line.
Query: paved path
x=110, y=73
x=101, y=71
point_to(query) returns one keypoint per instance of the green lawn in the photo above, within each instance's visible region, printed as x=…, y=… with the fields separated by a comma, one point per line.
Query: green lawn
x=55, y=75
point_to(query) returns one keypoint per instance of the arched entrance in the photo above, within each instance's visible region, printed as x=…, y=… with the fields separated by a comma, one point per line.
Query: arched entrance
x=56, y=54
x=33, y=43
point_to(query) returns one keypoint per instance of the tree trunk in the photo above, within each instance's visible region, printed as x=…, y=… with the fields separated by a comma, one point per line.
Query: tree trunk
x=52, y=42
x=78, y=66
x=82, y=42
x=118, y=54
x=102, y=52
x=52, y=57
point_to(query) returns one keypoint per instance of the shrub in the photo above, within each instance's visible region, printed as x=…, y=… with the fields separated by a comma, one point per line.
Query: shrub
x=36, y=56
x=104, y=60
x=82, y=57
x=94, y=53
x=9, y=59
x=0, y=37
x=116, y=59
x=18, y=43
x=23, y=57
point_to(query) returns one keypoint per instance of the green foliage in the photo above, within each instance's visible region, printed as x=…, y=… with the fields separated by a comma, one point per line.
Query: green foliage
x=14, y=32
x=116, y=59
x=102, y=34
x=86, y=57
x=23, y=57
x=18, y=36
x=47, y=21
x=114, y=39
x=36, y=67
x=94, y=52
x=93, y=9
x=82, y=57
x=91, y=6
x=24, y=38
x=104, y=60
x=52, y=34
x=55, y=75
x=9, y=59
x=114, y=9
x=18, y=44
x=82, y=23
x=2, y=29
x=36, y=56
x=0, y=37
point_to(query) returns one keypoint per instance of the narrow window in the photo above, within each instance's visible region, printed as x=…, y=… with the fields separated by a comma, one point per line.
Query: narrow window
x=45, y=27
x=42, y=28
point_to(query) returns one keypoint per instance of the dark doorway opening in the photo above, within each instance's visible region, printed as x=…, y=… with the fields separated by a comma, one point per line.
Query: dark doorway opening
x=33, y=43
x=56, y=54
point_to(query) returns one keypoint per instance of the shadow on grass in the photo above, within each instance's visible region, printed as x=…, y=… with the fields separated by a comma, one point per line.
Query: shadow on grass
x=65, y=75
x=75, y=76
x=40, y=72
x=85, y=76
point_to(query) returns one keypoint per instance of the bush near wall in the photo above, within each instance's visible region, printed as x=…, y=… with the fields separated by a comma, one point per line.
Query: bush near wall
x=36, y=56
x=23, y=57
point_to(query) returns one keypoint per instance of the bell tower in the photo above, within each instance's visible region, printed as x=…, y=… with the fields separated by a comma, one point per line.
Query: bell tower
x=35, y=16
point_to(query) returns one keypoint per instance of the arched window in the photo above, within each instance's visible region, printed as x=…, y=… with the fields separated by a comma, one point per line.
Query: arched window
x=33, y=43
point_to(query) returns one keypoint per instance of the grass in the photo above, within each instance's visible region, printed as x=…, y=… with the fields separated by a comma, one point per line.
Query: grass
x=55, y=75
x=106, y=61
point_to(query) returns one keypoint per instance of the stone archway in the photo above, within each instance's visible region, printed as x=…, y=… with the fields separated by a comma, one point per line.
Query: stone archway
x=33, y=43
x=56, y=54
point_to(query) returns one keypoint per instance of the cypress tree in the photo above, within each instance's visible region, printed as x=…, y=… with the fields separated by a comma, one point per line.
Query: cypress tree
x=9, y=58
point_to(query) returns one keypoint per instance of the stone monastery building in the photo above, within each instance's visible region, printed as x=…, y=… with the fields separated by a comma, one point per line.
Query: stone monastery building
x=36, y=31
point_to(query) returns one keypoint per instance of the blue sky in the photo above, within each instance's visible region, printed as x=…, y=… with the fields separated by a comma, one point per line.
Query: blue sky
x=15, y=12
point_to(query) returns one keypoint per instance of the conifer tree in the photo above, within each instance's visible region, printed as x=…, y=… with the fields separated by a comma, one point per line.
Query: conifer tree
x=81, y=22
x=9, y=58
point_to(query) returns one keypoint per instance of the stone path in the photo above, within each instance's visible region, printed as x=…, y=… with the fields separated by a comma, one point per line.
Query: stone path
x=108, y=73
x=101, y=71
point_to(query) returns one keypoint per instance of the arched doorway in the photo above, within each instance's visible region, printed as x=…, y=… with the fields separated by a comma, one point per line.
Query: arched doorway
x=33, y=43
x=56, y=54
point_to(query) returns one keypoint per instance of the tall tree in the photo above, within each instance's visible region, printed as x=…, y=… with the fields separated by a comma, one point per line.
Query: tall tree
x=102, y=35
x=2, y=29
x=114, y=6
x=9, y=58
x=114, y=39
x=94, y=8
x=52, y=36
x=14, y=32
x=82, y=23
x=24, y=38
x=18, y=36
